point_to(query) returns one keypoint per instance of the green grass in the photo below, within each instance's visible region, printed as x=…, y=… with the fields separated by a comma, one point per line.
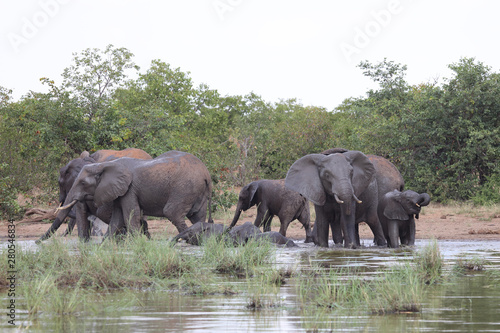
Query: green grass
x=466, y=264
x=398, y=289
x=67, y=278
x=242, y=260
x=429, y=263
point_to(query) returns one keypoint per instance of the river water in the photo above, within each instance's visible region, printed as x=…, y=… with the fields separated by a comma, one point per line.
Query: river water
x=469, y=304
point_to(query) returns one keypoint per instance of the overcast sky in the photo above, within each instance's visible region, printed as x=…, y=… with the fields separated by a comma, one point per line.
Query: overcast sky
x=307, y=50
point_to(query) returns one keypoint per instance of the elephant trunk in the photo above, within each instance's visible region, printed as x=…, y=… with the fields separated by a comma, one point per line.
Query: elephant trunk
x=62, y=213
x=237, y=214
x=423, y=200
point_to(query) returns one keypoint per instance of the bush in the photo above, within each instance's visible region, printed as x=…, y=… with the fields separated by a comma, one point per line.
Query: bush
x=489, y=193
x=9, y=208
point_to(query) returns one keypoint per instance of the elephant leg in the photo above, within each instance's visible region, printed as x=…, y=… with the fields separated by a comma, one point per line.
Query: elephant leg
x=411, y=231
x=71, y=226
x=337, y=236
x=358, y=242
x=393, y=234
x=199, y=216
x=348, y=225
x=263, y=218
x=82, y=222
x=376, y=227
x=267, y=224
x=144, y=227
x=321, y=226
x=176, y=214
x=307, y=226
x=284, y=222
x=116, y=223
x=131, y=213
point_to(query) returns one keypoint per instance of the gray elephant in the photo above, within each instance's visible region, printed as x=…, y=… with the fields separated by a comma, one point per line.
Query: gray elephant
x=239, y=235
x=196, y=233
x=67, y=177
x=387, y=175
x=174, y=185
x=273, y=199
x=397, y=213
x=344, y=191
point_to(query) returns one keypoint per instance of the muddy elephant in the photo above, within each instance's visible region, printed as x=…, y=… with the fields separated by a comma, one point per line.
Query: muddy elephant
x=273, y=199
x=199, y=231
x=344, y=191
x=67, y=176
x=397, y=212
x=387, y=175
x=239, y=235
x=174, y=185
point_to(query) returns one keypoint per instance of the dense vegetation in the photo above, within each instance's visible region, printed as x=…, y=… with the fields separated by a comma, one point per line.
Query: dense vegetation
x=443, y=137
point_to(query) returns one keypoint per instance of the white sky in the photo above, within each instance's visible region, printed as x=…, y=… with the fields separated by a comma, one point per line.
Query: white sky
x=307, y=50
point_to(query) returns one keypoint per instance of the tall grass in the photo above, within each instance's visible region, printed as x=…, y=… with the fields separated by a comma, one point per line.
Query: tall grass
x=429, y=263
x=399, y=289
x=242, y=260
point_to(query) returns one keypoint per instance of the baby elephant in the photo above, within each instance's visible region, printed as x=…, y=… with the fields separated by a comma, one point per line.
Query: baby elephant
x=273, y=198
x=397, y=212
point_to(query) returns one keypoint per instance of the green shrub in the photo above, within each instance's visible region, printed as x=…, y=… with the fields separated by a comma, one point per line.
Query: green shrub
x=9, y=208
x=489, y=193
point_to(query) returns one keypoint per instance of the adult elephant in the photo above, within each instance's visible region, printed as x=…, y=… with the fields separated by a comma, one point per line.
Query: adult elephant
x=387, y=175
x=397, y=213
x=67, y=176
x=273, y=199
x=344, y=191
x=174, y=185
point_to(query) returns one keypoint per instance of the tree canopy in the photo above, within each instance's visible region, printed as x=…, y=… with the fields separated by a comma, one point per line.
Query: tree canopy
x=444, y=138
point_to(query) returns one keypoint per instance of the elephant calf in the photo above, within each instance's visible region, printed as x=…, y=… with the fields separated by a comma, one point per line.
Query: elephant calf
x=397, y=212
x=273, y=198
x=239, y=235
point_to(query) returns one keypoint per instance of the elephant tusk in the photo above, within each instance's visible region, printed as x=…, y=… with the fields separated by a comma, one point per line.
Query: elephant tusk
x=337, y=199
x=356, y=198
x=71, y=204
x=417, y=205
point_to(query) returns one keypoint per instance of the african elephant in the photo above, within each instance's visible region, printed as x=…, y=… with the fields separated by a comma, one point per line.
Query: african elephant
x=174, y=185
x=387, y=175
x=397, y=213
x=67, y=176
x=239, y=235
x=344, y=191
x=199, y=231
x=273, y=198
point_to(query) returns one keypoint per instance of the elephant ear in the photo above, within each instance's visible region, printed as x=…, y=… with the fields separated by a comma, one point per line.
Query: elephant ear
x=252, y=189
x=363, y=171
x=334, y=151
x=394, y=209
x=303, y=177
x=113, y=181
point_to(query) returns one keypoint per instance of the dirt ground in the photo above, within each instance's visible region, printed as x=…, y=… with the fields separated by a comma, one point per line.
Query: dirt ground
x=436, y=221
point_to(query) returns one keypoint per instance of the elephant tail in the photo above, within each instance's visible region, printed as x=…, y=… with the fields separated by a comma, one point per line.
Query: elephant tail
x=210, y=220
x=209, y=185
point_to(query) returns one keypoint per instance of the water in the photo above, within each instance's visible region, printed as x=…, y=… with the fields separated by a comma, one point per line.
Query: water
x=469, y=303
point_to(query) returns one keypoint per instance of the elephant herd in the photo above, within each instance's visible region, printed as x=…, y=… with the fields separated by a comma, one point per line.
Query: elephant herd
x=346, y=187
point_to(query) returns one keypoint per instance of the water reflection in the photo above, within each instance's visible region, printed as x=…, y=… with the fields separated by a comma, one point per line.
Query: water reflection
x=472, y=304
